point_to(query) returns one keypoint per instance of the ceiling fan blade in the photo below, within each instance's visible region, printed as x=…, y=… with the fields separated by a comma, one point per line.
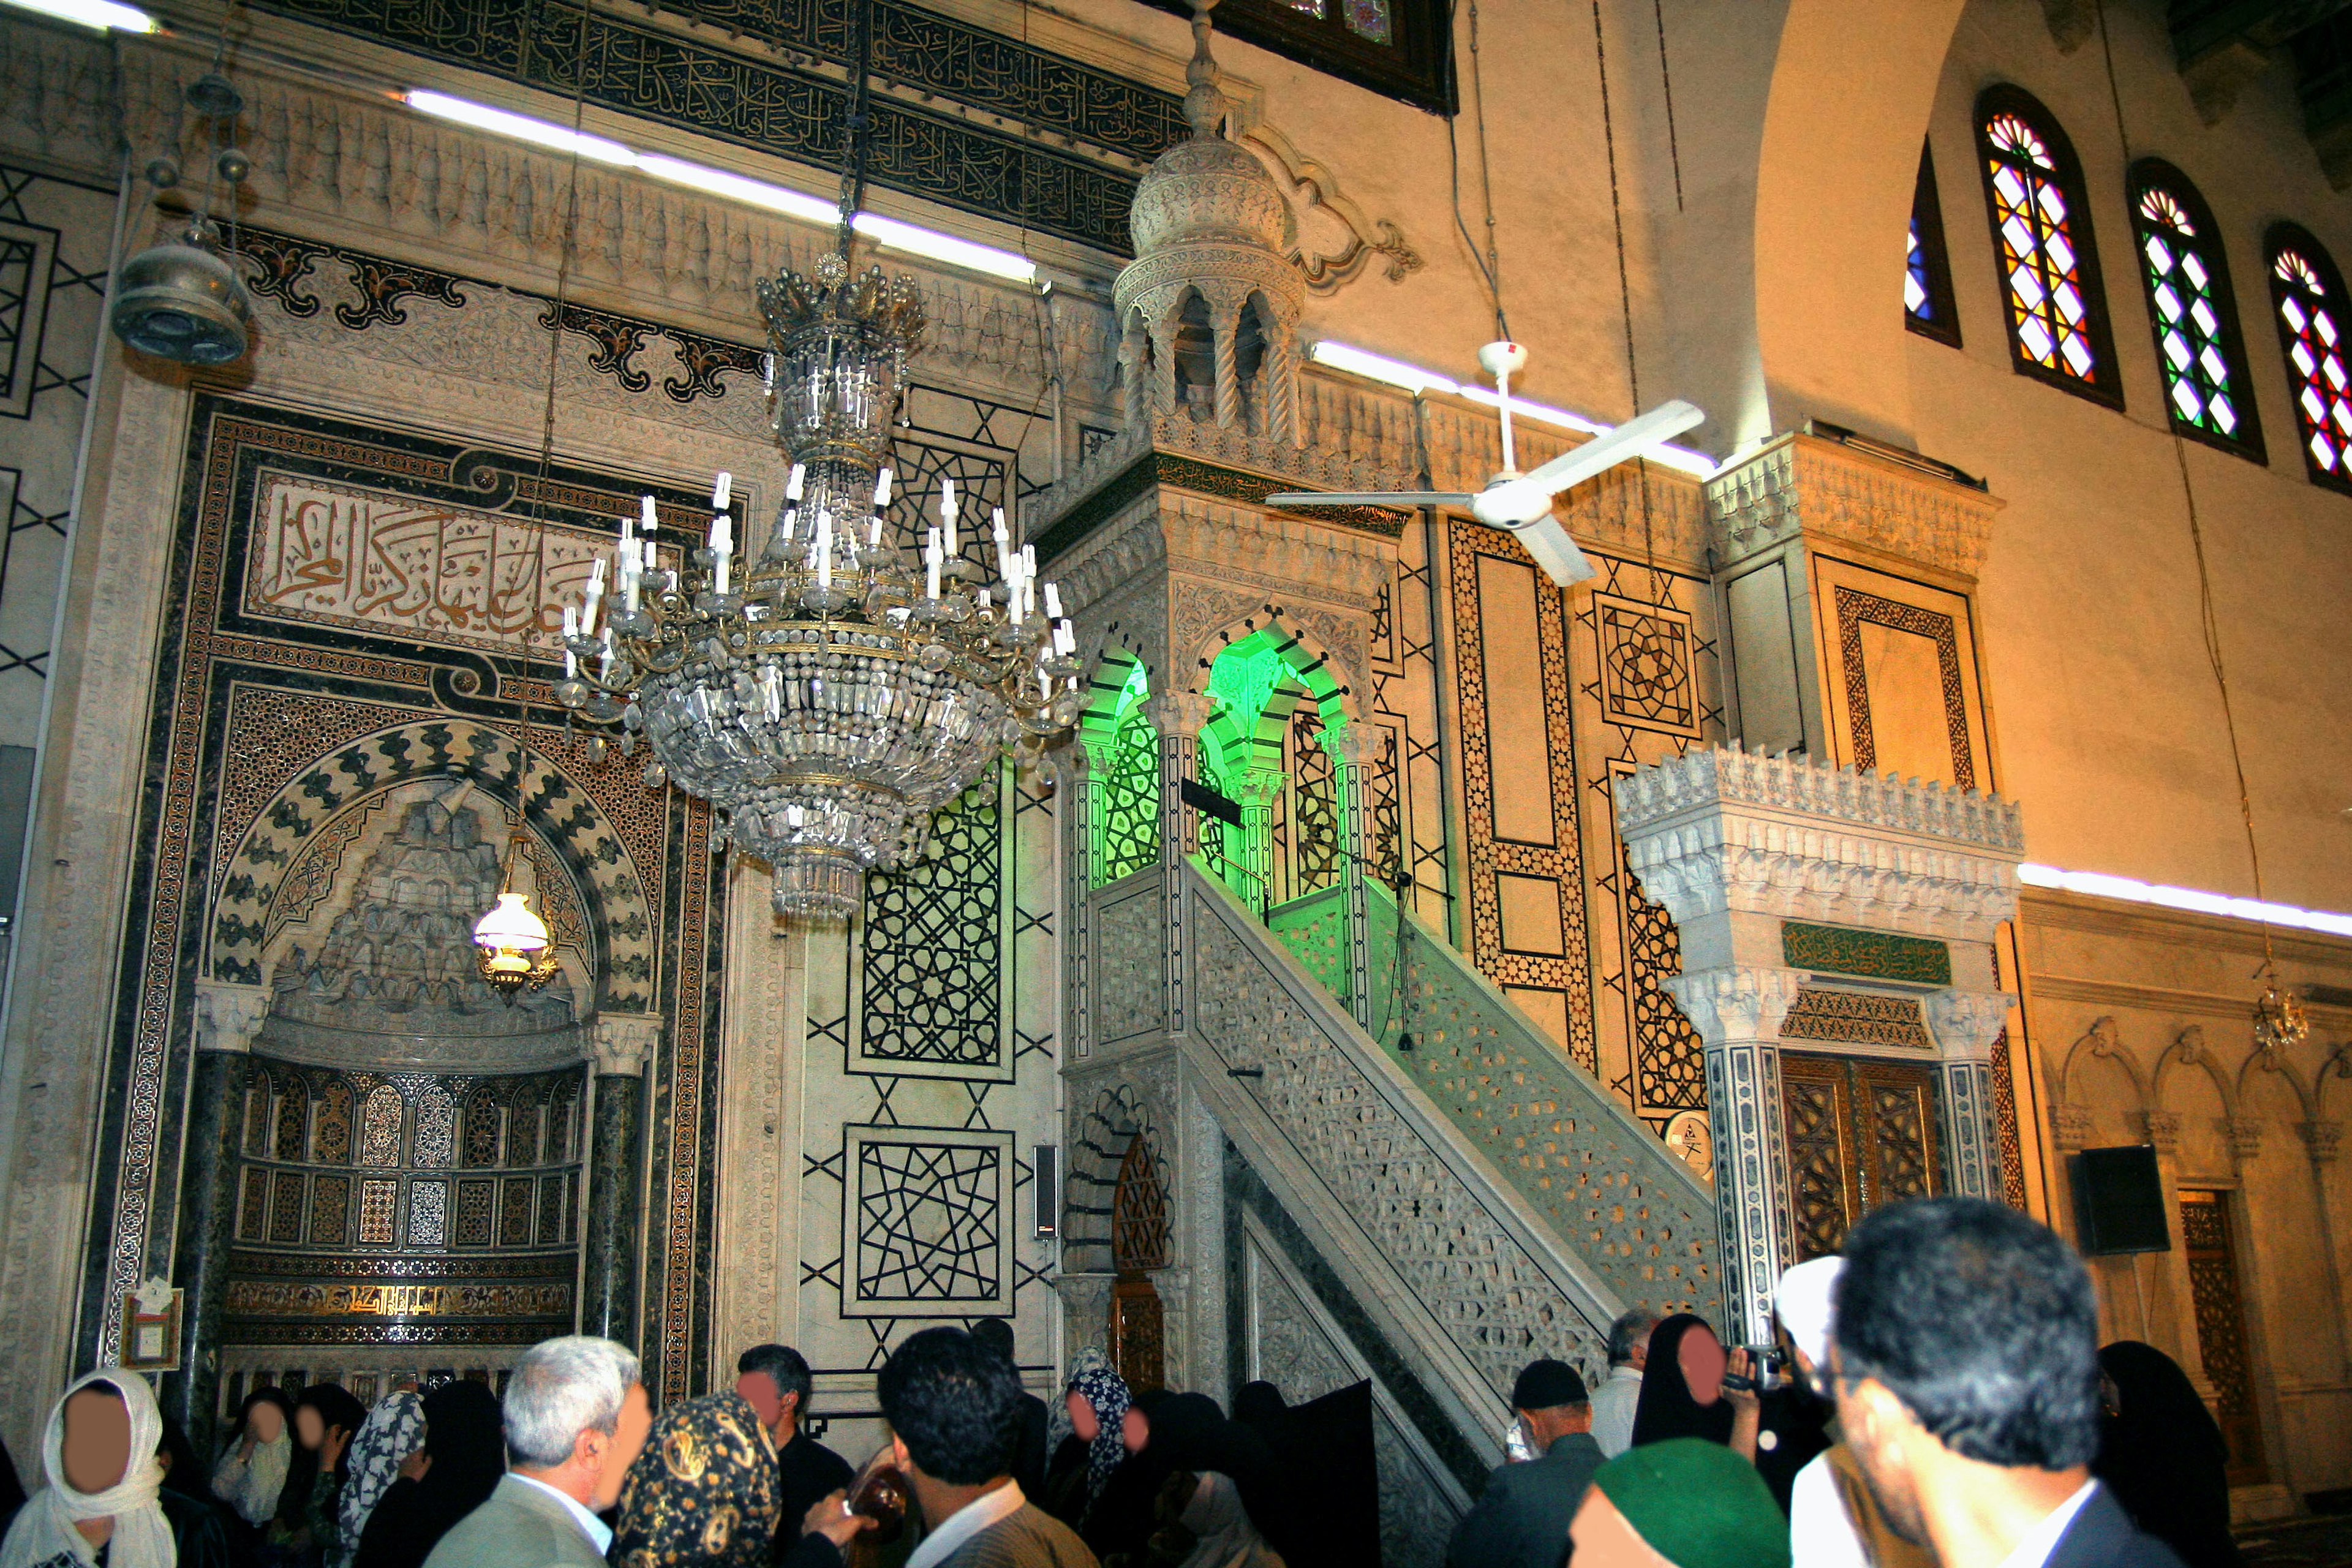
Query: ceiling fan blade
x=1629, y=440
x=1370, y=497
x=1555, y=551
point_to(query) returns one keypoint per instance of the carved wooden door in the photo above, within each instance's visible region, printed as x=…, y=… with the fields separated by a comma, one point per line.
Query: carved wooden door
x=1862, y=1132
x=1139, y=1247
x=2212, y=1258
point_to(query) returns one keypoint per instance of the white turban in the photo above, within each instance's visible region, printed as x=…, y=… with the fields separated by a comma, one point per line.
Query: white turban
x=143, y=1536
x=1803, y=1303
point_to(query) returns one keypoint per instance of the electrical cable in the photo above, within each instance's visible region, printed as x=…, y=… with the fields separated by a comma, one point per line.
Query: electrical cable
x=1625, y=294
x=2209, y=622
x=1667, y=77
x=1489, y=264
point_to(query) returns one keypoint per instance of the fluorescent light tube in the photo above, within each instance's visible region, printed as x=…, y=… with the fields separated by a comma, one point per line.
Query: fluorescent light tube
x=895, y=236
x=2130, y=889
x=737, y=187
x=521, y=127
x=99, y=13
x=1378, y=367
x=1542, y=414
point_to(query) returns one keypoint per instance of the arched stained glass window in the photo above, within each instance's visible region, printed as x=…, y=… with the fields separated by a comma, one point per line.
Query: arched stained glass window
x=1927, y=306
x=2308, y=295
x=2043, y=245
x=2194, y=315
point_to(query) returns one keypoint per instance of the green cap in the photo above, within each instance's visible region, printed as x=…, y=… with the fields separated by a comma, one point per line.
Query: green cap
x=1698, y=1504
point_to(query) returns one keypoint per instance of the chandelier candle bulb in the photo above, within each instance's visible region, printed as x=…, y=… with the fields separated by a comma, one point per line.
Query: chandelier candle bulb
x=948, y=513
x=722, y=491
x=593, y=597
x=882, y=489
x=792, y=481
x=873, y=530
x=1053, y=601
x=652, y=521
x=571, y=630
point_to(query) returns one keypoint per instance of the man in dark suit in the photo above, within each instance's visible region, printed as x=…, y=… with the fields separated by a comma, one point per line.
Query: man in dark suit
x=1521, y=1520
x=1965, y=1348
x=1029, y=1453
x=775, y=1380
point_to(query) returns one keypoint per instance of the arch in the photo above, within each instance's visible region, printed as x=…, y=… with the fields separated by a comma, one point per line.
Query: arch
x=1929, y=308
x=2191, y=1051
x=291, y=1140
x=1113, y=1127
x=2046, y=248
x=1304, y=650
x=2101, y=1042
x=479, y=1146
x=381, y=1113
x=2200, y=351
x=1842, y=111
x=2308, y=304
x=564, y=819
x=2276, y=1065
x=1122, y=769
x=2337, y=1068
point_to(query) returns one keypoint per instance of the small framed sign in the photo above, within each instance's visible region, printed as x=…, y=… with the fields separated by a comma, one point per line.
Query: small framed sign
x=150, y=1327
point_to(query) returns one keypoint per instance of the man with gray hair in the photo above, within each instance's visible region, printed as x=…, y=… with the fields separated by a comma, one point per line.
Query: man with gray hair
x=1613, y=1401
x=576, y=1417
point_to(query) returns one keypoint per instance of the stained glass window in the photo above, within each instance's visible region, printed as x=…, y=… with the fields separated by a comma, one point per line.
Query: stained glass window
x=2189, y=306
x=2308, y=295
x=2043, y=245
x=1927, y=306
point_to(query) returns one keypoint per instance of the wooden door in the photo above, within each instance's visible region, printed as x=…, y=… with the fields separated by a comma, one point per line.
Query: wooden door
x=2208, y=1246
x=1862, y=1132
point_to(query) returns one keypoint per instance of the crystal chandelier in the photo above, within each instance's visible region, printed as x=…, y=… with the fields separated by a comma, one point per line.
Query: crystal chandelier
x=2280, y=1021
x=822, y=688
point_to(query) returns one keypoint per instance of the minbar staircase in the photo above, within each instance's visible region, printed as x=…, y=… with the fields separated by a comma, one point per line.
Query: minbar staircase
x=1479, y=1199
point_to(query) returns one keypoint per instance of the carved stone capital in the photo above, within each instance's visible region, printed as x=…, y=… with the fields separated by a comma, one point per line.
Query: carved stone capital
x=1355, y=745
x=2246, y=1135
x=1966, y=1024
x=1257, y=788
x=2162, y=1128
x=228, y=1015
x=1735, y=1006
x=622, y=1044
x=2320, y=1139
x=2070, y=1127
x=1179, y=712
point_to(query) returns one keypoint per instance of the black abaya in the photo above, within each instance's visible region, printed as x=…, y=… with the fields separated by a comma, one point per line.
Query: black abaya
x=467, y=1441
x=2163, y=1456
x=1667, y=1410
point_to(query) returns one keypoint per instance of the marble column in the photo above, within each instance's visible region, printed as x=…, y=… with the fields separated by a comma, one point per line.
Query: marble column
x=1738, y=1012
x=1967, y=1026
x=227, y=1018
x=1075, y=768
x=1353, y=747
x=1178, y=717
x=621, y=1047
x=1259, y=789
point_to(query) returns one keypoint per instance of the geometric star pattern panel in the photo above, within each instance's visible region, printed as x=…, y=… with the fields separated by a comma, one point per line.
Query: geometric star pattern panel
x=930, y=1208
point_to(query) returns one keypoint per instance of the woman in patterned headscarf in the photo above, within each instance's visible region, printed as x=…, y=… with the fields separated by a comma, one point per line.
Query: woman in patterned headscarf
x=705, y=1493
x=393, y=1431
x=1095, y=1398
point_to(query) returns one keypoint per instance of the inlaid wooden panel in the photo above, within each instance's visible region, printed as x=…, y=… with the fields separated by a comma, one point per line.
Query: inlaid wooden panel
x=1862, y=1132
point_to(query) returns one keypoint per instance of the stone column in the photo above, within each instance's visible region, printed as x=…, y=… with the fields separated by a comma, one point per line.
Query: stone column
x=1352, y=748
x=1178, y=717
x=228, y=1017
x=1260, y=788
x=2323, y=1142
x=1224, y=330
x=621, y=1047
x=1967, y=1026
x=1738, y=1014
x=1074, y=785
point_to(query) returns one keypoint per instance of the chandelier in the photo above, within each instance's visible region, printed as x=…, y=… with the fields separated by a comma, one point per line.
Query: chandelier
x=2280, y=1021
x=823, y=688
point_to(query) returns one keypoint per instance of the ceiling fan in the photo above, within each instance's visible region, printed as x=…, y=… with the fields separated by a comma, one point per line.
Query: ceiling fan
x=1521, y=503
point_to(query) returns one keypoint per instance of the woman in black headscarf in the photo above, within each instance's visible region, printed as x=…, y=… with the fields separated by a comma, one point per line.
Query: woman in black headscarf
x=1184, y=1436
x=704, y=1492
x=325, y=1417
x=1682, y=1386
x=2163, y=1456
x=464, y=1455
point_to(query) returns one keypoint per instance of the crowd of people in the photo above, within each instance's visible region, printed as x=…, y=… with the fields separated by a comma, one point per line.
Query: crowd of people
x=1936, y=1396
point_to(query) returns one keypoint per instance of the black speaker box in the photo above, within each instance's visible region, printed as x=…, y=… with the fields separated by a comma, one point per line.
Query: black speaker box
x=2119, y=1201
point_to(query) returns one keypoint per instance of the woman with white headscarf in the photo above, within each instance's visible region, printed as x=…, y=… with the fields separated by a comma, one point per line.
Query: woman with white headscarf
x=98, y=1454
x=252, y=1473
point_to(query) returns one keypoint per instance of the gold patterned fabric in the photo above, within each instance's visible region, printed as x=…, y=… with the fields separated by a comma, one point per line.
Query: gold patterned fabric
x=705, y=1493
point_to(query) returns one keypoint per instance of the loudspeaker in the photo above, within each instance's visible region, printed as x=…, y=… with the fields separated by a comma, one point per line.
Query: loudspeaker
x=1045, y=1189
x=2119, y=1201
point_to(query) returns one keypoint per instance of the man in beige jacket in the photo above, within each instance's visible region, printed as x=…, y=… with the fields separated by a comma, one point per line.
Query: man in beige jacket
x=576, y=1417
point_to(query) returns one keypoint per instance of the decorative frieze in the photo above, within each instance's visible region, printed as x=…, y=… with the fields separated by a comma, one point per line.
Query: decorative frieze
x=1822, y=489
x=1723, y=830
